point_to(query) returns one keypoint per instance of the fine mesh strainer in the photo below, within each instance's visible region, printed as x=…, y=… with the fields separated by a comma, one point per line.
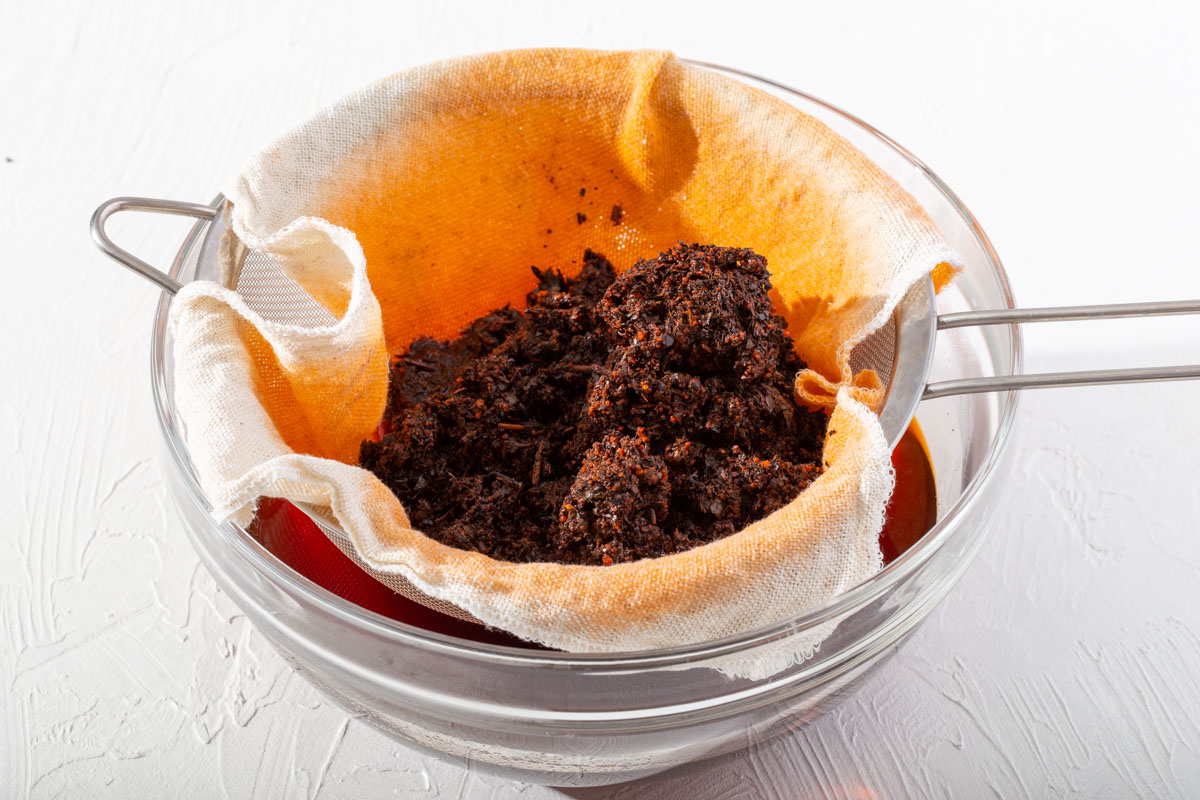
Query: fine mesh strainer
x=900, y=352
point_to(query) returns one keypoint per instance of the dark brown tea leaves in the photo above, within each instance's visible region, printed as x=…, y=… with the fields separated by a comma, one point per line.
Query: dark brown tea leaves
x=614, y=418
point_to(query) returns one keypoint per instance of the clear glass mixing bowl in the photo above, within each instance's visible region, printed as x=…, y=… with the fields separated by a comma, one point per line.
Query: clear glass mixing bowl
x=555, y=718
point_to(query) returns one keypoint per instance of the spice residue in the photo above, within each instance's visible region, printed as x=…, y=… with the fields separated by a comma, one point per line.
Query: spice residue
x=615, y=418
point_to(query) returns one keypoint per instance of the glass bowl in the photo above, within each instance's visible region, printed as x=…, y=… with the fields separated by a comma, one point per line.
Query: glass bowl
x=563, y=719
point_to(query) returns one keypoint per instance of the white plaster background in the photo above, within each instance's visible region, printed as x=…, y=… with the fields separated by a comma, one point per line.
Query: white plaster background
x=1066, y=663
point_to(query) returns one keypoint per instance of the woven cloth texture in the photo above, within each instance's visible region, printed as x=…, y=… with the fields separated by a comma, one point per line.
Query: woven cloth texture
x=418, y=203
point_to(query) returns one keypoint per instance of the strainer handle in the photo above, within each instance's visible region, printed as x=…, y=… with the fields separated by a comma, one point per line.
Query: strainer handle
x=1096, y=377
x=1048, y=380
x=154, y=206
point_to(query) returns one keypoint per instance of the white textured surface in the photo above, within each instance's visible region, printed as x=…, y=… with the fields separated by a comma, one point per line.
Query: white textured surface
x=1066, y=663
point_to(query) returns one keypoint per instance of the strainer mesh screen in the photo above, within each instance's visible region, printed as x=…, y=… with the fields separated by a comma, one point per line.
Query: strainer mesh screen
x=269, y=291
x=877, y=352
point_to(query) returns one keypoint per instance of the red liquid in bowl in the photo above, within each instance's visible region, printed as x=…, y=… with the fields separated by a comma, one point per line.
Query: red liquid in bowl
x=289, y=534
x=912, y=510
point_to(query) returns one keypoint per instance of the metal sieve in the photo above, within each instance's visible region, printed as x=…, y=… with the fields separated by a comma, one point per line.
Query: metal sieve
x=900, y=352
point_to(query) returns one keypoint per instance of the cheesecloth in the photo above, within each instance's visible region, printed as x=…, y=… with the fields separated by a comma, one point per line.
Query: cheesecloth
x=418, y=203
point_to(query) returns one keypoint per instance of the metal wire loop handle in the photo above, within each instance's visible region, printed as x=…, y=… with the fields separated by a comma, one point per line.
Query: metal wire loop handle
x=151, y=205
x=1063, y=314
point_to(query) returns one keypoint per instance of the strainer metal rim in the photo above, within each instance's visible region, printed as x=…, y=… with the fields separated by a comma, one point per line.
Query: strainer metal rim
x=915, y=318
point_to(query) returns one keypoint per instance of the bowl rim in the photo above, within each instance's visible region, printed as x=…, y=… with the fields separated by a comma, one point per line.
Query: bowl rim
x=403, y=633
